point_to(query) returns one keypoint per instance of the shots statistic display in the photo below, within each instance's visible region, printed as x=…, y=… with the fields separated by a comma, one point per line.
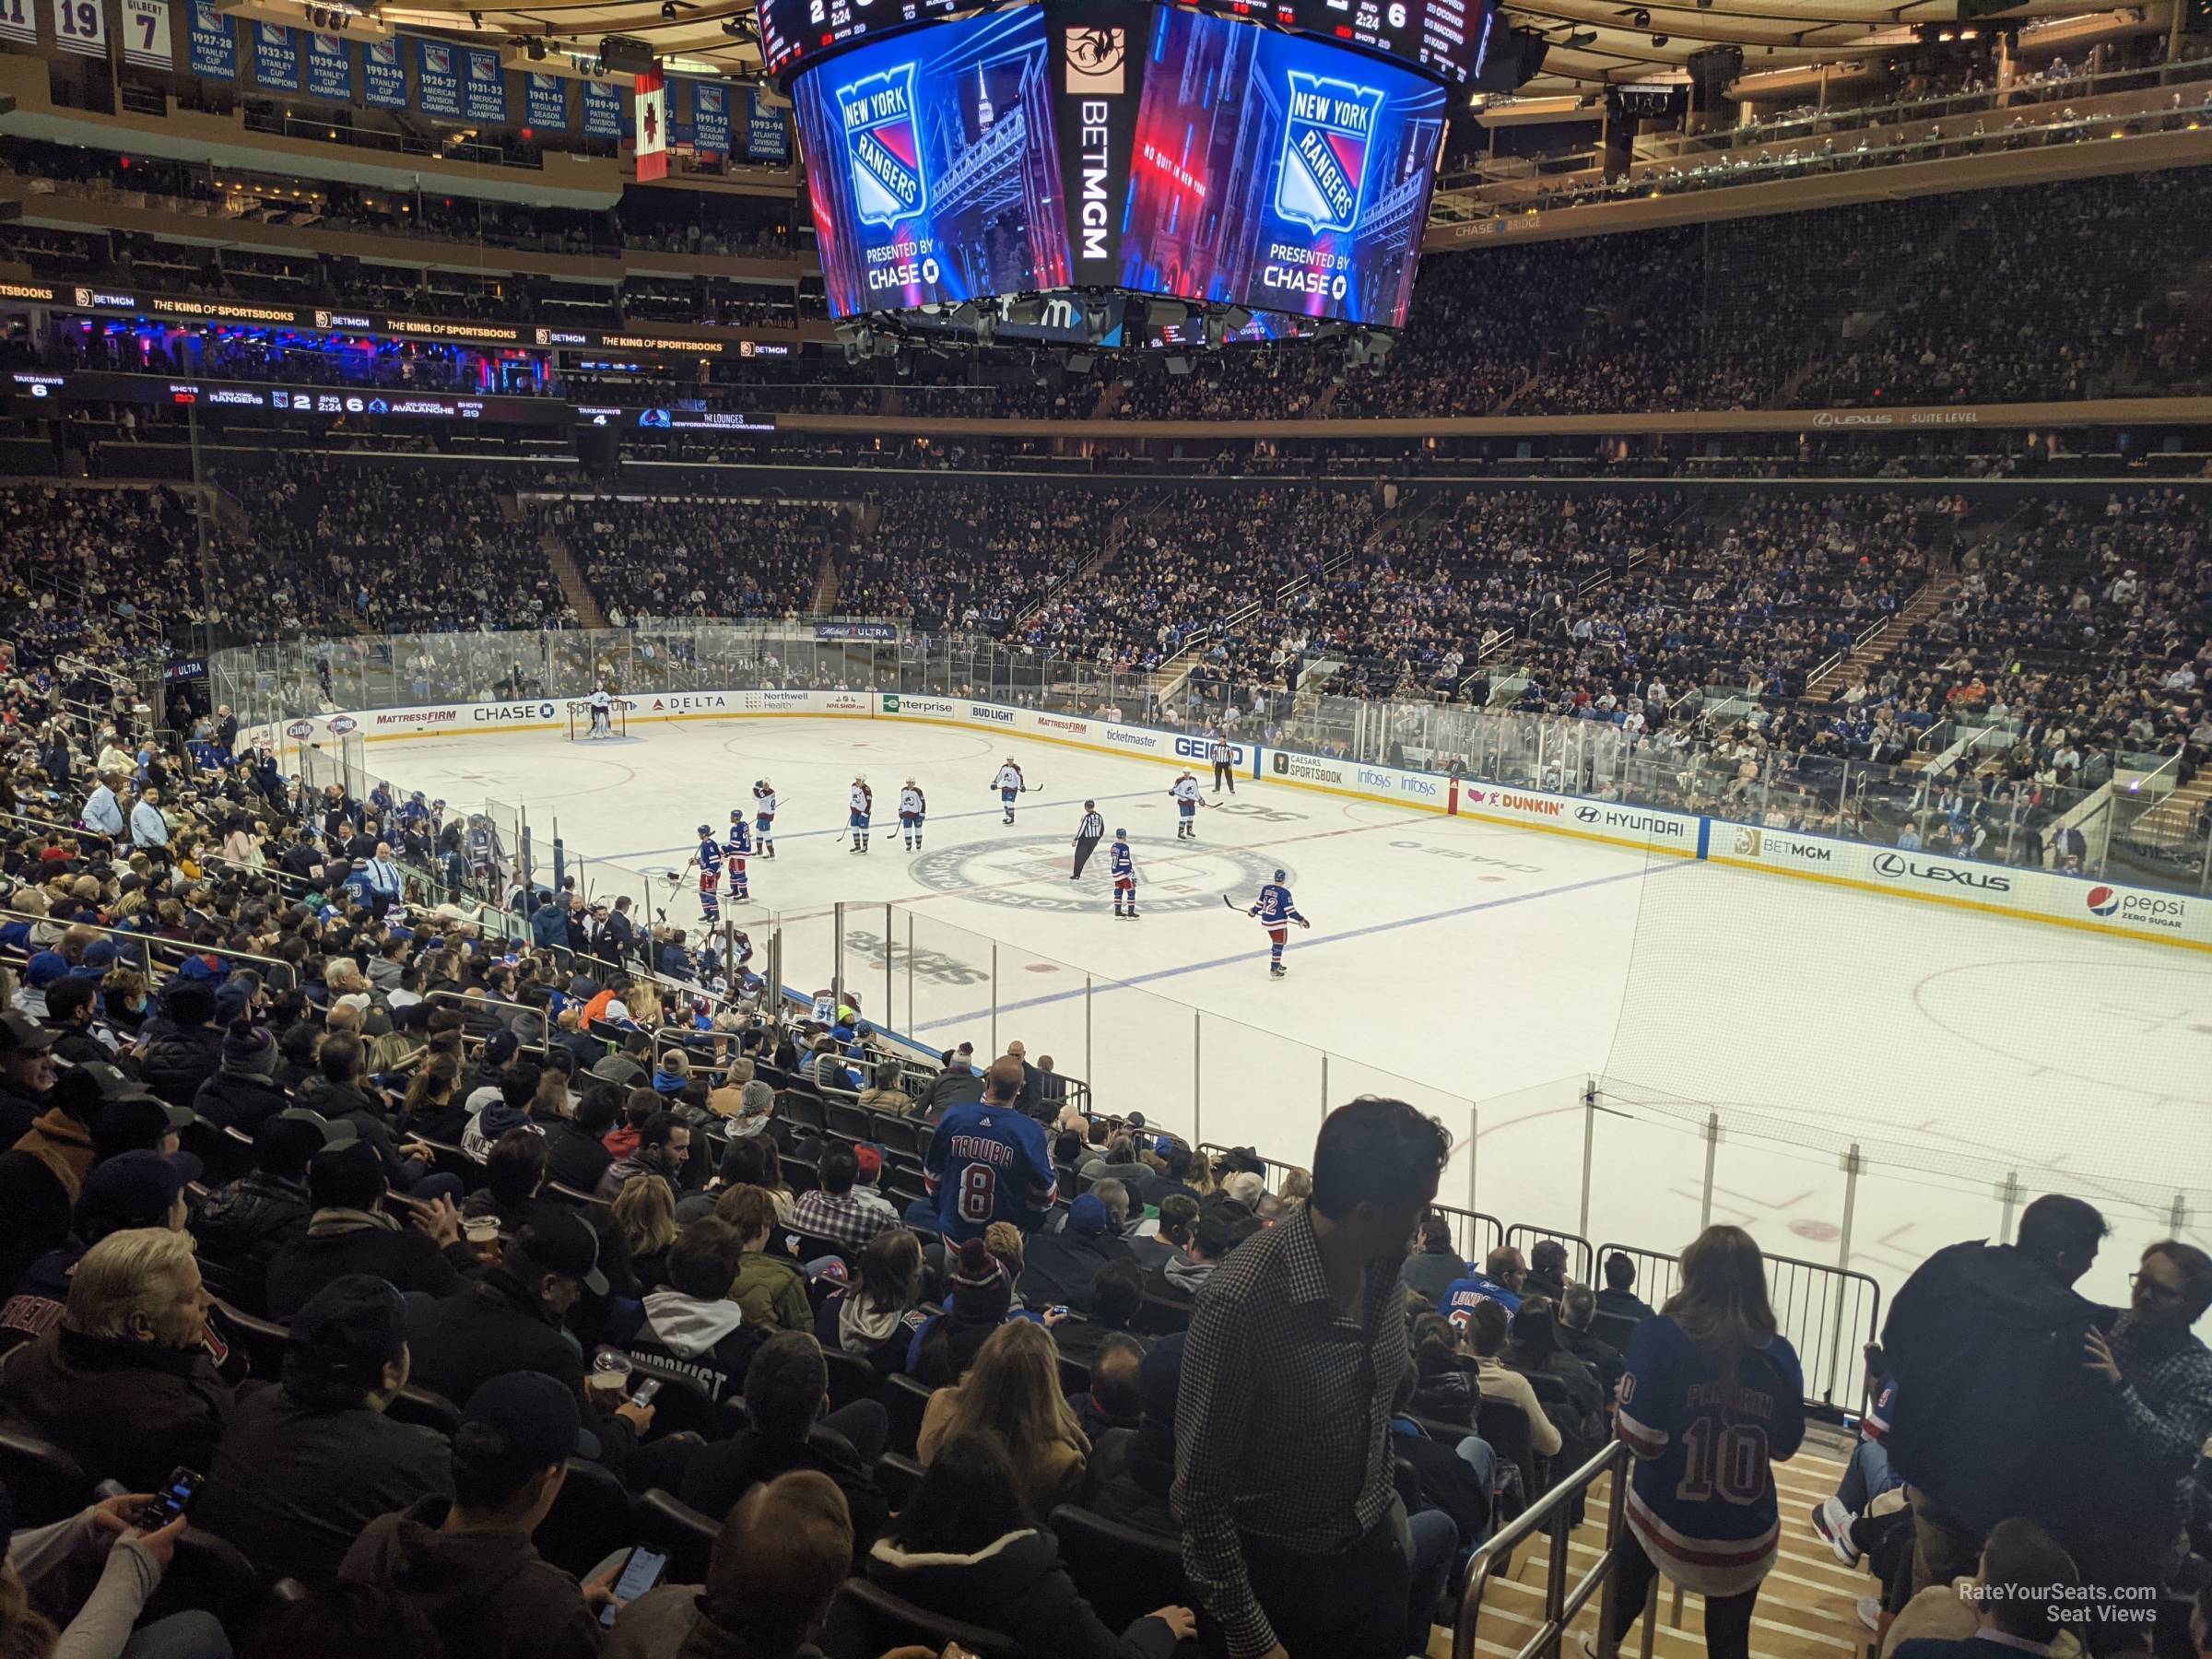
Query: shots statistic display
x=1444, y=37
x=933, y=167
x=1279, y=172
x=794, y=31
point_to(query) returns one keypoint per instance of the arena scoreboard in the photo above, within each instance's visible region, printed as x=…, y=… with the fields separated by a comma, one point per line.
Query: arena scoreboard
x=1444, y=37
x=794, y=31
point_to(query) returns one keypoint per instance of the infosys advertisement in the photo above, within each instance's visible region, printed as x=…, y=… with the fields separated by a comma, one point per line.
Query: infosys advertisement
x=1279, y=172
x=933, y=167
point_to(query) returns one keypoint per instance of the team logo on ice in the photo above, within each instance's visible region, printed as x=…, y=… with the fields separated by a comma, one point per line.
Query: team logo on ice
x=883, y=147
x=1326, y=142
x=1030, y=873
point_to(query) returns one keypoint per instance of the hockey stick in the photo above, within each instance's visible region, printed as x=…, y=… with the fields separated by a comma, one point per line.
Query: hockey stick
x=1234, y=905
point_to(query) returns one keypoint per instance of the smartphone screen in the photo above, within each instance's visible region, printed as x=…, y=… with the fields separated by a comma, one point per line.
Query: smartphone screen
x=173, y=1500
x=646, y=1390
x=639, y=1573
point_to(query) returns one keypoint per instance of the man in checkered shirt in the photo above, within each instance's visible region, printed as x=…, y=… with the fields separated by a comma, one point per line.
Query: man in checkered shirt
x=1292, y=1532
x=845, y=1208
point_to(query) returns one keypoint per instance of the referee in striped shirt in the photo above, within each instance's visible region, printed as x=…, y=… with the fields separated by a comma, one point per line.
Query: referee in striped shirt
x=1089, y=834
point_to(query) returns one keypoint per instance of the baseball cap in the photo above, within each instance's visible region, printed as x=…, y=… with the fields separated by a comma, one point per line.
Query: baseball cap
x=132, y=1189
x=1087, y=1215
x=870, y=1161
x=20, y=1033
x=349, y=1330
x=500, y=1047
x=562, y=1240
x=619, y=1068
x=336, y=1135
x=533, y=1414
x=45, y=968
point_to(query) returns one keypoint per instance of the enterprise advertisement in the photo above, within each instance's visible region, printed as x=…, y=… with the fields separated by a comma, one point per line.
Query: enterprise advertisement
x=933, y=167
x=1279, y=172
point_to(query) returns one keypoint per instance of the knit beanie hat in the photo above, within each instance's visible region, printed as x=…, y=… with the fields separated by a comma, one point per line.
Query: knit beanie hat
x=247, y=1048
x=980, y=1288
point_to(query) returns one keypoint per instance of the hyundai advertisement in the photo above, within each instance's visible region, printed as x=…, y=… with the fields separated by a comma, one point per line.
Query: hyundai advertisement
x=932, y=168
x=1279, y=172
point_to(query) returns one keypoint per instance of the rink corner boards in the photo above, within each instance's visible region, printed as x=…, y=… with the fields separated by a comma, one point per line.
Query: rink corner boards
x=2082, y=904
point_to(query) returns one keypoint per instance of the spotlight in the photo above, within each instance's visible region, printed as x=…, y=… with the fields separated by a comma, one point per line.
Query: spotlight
x=476, y=20
x=667, y=11
x=1580, y=38
x=537, y=51
x=1658, y=39
x=1641, y=18
x=730, y=26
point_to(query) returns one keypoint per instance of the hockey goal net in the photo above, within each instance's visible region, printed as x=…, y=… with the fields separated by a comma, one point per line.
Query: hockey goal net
x=580, y=721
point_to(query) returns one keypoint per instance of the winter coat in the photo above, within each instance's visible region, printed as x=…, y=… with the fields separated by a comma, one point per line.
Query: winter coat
x=1017, y=1585
x=488, y=1594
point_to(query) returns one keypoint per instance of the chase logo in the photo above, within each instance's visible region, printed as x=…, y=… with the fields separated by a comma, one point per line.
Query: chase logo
x=884, y=146
x=2103, y=901
x=1326, y=146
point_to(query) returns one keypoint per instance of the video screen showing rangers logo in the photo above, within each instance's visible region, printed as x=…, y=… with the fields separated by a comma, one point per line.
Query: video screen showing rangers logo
x=933, y=167
x=1279, y=172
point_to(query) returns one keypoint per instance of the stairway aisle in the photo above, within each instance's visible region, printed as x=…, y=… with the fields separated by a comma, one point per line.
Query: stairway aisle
x=1806, y=1608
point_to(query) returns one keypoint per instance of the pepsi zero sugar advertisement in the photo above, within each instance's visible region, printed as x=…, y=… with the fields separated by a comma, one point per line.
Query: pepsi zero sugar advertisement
x=933, y=167
x=1279, y=172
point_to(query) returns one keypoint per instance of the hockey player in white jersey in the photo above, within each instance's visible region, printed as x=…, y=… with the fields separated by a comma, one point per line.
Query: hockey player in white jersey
x=913, y=809
x=1184, y=794
x=764, y=817
x=602, y=713
x=1009, y=785
x=863, y=802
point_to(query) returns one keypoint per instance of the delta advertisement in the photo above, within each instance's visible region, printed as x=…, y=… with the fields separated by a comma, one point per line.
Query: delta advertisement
x=932, y=168
x=2035, y=895
x=1277, y=172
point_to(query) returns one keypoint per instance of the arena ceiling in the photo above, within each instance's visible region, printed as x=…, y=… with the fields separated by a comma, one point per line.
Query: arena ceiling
x=1626, y=42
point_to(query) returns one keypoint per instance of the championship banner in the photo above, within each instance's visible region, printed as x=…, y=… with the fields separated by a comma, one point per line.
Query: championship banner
x=711, y=117
x=329, y=69
x=653, y=125
x=437, y=80
x=487, y=89
x=213, y=44
x=766, y=137
x=602, y=110
x=276, y=58
x=383, y=75
x=545, y=97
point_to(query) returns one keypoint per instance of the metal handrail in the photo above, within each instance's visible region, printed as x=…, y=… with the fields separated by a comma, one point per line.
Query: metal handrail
x=467, y=1003
x=146, y=944
x=1552, y=1515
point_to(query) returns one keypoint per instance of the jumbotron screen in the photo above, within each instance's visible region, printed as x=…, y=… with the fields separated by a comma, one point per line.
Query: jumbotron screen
x=1279, y=172
x=792, y=31
x=1443, y=35
x=932, y=168
x=1101, y=144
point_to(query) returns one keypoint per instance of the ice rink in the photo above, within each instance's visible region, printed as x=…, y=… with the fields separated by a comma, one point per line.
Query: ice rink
x=1487, y=972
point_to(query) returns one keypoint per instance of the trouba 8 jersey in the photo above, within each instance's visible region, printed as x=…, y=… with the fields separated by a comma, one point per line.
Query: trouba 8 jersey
x=988, y=1163
x=1702, y=1496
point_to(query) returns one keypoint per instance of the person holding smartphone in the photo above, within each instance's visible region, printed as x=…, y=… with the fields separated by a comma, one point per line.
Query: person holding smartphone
x=133, y=1538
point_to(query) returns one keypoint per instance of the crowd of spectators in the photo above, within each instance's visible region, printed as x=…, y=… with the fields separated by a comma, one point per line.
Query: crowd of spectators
x=93, y=572
x=332, y=547
x=712, y=557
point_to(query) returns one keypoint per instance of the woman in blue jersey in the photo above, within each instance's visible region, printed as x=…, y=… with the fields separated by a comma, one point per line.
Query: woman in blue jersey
x=1711, y=1398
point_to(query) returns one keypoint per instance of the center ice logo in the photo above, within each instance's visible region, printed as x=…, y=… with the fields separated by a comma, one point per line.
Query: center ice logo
x=1326, y=142
x=883, y=147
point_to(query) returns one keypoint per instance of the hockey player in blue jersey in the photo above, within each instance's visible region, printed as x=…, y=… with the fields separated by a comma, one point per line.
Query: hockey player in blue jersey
x=1713, y=1397
x=1121, y=865
x=863, y=802
x=913, y=810
x=1275, y=913
x=735, y=847
x=709, y=859
x=764, y=817
x=988, y=1161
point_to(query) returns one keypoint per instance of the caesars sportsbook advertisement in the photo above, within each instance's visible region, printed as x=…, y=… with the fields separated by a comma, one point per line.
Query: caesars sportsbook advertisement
x=1109, y=144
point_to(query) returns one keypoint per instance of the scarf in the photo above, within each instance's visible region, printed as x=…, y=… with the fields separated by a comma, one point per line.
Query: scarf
x=330, y=1223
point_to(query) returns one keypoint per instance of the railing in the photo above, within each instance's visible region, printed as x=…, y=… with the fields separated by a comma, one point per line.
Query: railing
x=1552, y=1515
x=153, y=954
x=1581, y=1263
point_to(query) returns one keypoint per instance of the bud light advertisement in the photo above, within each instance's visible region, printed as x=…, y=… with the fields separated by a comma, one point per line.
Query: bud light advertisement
x=1277, y=172
x=933, y=167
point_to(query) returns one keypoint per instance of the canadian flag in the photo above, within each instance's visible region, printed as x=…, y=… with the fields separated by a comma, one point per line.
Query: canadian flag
x=653, y=125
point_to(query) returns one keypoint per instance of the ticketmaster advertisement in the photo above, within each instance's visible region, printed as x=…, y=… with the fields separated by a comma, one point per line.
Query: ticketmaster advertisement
x=1279, y=172
x=933, y=166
